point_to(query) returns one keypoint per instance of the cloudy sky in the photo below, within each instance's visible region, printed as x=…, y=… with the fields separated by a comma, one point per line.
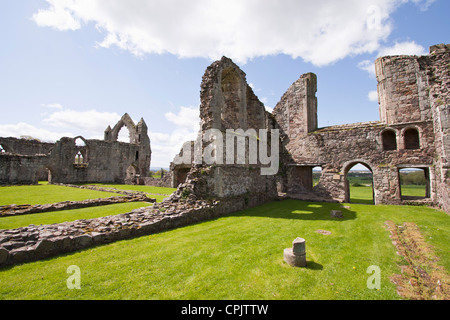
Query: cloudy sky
x=73, y=67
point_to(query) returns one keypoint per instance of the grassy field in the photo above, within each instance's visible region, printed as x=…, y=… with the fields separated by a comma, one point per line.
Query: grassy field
x=158, y=193
x=364, y=194
x=240, y=257
x=69, y=215
x=46, y=193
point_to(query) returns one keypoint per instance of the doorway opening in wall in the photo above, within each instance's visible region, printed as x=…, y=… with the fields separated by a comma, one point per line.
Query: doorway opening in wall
x=359, y=183
x=414, y=183
x=317, y=173
x=44, y=175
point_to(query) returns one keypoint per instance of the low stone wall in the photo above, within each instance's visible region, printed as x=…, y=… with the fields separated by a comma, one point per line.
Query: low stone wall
x=38, y=242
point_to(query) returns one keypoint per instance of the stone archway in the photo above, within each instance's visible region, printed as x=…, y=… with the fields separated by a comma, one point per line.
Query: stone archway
x=360, y=180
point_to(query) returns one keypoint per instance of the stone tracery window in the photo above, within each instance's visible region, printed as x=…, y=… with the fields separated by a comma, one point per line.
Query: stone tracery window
x=79, y=158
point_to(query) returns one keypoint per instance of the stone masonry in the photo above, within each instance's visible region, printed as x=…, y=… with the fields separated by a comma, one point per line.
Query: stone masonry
x=78, y=160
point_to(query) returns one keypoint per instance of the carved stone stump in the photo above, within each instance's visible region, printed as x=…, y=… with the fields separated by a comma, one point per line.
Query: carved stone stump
x=296, y=256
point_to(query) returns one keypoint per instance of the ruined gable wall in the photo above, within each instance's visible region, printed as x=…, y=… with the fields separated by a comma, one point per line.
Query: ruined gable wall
x=103, y=161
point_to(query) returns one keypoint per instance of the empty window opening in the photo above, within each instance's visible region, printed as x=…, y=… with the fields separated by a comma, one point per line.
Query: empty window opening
x=137, y=156
x=389, y=140
x=2, y=150
x=414, y=183
x=412, y=140
x=359, y=184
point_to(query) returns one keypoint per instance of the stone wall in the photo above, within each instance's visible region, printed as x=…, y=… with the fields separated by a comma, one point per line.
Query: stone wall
x=20, y=169
x=439, y=84
x=27, y=147
x=78, y=160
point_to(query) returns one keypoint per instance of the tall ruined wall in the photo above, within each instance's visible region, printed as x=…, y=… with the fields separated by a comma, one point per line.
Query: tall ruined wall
x=228, y=102
x=402, y=89
x=439, y=87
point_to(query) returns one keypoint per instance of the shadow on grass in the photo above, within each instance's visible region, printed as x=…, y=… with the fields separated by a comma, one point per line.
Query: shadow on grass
x=299, y=210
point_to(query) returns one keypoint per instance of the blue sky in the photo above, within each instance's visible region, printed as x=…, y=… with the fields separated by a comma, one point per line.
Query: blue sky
x=73, y=67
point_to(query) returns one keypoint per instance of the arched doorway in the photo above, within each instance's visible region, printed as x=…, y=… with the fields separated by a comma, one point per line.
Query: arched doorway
x=359, y=183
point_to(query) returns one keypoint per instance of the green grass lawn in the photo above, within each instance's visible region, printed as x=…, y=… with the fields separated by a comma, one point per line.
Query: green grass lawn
x=68, y=215
x=364, y=194
x=158, y=193
x=240, y=257
x=414, y=190
x=47, y=193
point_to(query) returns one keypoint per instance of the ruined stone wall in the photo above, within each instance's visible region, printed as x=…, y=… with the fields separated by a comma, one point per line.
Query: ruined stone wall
x=412, y=133
x=402, y=89
x=20, y=169
x=439, y=84
x=25, y=146
x=228, y=102
x=102, y=161
x=77, y=160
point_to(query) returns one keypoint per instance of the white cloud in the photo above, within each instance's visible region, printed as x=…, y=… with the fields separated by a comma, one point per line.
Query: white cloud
x=91, y=121
x=403, y=48
x=368, y=66
x=399, y=48
x=320, y=32
x=187, y=118
x=25, y=129
x=373, y=96
x=57, y=16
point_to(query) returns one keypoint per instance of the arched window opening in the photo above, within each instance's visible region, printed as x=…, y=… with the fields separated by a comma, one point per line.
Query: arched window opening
x=359, y=183
x=389, y=140
x=412, y=140
x=124, y=135
x=80, y=142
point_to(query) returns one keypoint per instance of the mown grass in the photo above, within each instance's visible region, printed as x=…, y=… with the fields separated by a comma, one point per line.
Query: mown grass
x=240, y=257
x=158, y=193
x=364, y=194
x=68, y=215
x=47, y=193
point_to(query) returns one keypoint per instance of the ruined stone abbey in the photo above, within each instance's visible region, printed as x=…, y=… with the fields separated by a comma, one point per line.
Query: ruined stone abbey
x=78, y=160
x=412, y=132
